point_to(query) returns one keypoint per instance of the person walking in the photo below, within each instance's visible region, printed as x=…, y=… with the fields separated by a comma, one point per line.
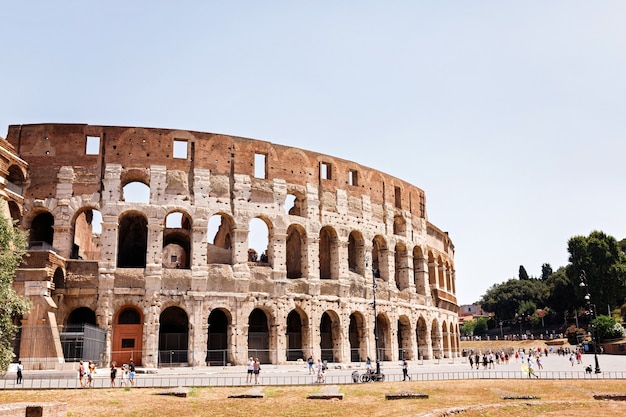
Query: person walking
x=20, y=368
x=250, y=370
x=257, y=370
x=310, y=362
x=113, y=374
x=131, y=373
x=405, y=370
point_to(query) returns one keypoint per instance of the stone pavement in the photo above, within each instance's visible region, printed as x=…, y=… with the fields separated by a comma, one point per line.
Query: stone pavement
x=554, y=367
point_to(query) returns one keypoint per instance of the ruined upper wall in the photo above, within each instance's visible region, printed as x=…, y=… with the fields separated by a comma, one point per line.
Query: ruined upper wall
x=48, y=147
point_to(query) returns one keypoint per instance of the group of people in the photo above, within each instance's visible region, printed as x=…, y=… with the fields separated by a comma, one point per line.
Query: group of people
x=319, y=369
x=253, y=370
x=87, y=370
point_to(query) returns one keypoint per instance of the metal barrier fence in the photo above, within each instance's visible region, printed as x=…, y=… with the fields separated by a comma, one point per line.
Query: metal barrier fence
x=164, y=381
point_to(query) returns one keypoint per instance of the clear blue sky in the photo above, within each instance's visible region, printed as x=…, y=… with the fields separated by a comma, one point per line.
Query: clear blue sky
x=510, y=115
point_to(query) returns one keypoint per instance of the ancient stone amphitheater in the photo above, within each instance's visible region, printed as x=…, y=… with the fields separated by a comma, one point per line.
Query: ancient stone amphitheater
x=187, y=248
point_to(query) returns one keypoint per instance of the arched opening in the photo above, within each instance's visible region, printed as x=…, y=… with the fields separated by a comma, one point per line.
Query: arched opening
x=399, y=226
x=173, y=336
x=401, y=267
x=380, y=268
x=356, y=253
x=132, y=240
x=177, y=241
x=295, y=205
x=81, y=339
x=136, y=192
x=294, y=336
x=58, y=281
x=217, y=340
x=357, y=337
x=421, y=332
x=435, y=337
x=446, y=340
x=329, y=336
x=219, y=243
x=384, y=337
x=258, y=238
x=16, y=213
x=419, y=271
x=295, y=253
x=405, y=350
x=41, y=234
x=258, y=336
x=87, y=229
x=127, y=336
x=328, y=253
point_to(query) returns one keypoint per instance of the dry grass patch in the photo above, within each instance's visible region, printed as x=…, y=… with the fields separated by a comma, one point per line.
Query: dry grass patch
x=563, y=398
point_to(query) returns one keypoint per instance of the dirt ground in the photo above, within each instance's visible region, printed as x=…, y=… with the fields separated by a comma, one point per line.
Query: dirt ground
x=473, y=398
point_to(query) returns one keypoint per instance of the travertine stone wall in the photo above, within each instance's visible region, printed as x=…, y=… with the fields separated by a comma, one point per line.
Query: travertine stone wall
x=350, y=226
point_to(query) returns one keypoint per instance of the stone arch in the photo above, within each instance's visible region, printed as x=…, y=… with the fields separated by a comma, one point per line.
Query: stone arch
x=330, y=336
x=421, y=332
x=127, y=335
x=15, y=211
x=296, y=325
x=380, y=267
x=295, y=203
x=357, y=336
x=356, y=253
x=399, y=225
x=432, y=270
x=328, y=252
x=296, y=251
x=259, y=335
x=405, y=348
x=260, y=231
x=41, y=234
x=132, y=240
x=419, y=272
x=73, y=334
x=177, y=240
x=383, y=330
x=401, y=267
x=81, y=316
x=136, y=191
x=17, y=176
x=218, y=337
x=173, y=336
x=86, y=231
x=441, y=274
x=58, y=279
x=435, y=337
x=219, y=244
x=445, y=340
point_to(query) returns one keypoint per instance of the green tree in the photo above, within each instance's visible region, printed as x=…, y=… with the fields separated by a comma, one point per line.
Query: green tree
x=546, y=271
x=606, y=328
x=467, y=328
x=604, y=263
x=12, y=249
x=562, y=296
x=505, y=299
x=523, y=275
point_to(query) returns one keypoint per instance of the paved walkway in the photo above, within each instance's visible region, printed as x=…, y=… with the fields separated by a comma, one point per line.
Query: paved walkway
x=554, y=367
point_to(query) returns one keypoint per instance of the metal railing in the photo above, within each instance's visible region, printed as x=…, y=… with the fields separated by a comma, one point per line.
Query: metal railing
x=163, y=381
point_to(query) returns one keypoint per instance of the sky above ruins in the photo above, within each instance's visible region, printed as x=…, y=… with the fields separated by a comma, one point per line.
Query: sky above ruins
x=510, y=115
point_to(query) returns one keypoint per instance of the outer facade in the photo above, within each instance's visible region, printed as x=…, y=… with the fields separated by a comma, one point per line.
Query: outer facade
x=172, y=279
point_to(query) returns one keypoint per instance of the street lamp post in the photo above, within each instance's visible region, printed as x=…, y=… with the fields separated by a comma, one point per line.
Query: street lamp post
x=592, y=310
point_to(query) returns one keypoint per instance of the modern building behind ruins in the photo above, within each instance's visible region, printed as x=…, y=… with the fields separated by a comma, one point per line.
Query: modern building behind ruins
x=171, y=279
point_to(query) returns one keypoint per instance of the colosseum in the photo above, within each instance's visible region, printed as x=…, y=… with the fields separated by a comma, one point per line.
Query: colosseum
x=173, y=247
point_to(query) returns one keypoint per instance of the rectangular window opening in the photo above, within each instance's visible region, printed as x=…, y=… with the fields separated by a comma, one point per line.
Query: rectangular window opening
x=325, y=171
x=128, y=343
x=353, y=177
x=259, y=165
x=92, y=146
x=180, y=149
x=398, y=194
